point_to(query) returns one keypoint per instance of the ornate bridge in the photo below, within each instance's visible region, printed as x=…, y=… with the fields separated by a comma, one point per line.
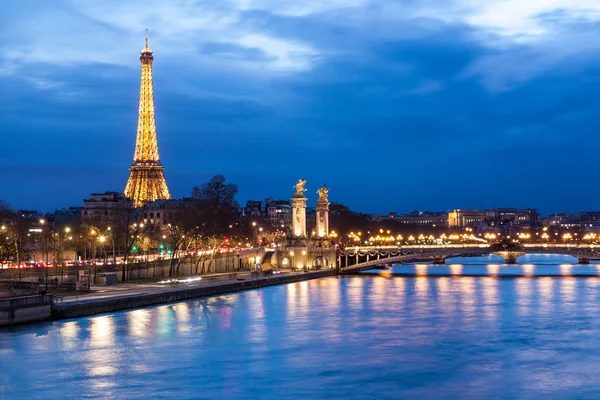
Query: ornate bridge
x=364, y=258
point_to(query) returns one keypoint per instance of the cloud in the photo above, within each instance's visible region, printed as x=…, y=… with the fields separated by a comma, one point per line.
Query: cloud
x=255, y=35
x=426, y=90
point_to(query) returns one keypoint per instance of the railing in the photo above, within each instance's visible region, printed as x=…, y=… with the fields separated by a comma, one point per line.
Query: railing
x=455, y=251
x=26, y=301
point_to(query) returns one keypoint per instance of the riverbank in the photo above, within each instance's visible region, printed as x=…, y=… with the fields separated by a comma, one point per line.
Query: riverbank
x=151, y=294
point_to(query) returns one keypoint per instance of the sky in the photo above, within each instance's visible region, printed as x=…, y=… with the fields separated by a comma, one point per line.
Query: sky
x=396, y=105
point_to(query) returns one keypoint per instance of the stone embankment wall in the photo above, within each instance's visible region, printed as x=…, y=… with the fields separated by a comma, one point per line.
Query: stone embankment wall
x=18, y=310
x=85, y=308
x=141, y=270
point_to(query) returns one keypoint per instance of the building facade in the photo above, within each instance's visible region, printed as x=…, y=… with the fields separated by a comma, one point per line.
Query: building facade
x=494, y=217
x=104, y=208
x=277, y=212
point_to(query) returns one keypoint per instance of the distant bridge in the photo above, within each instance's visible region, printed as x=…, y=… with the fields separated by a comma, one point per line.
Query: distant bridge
x=368, y=257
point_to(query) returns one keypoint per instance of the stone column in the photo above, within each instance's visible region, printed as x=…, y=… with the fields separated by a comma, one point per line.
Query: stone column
x=299, y=216
x=323, y=214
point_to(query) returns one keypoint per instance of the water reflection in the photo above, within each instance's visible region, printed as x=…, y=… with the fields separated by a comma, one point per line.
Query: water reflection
x=524, y=291
x=490, y=298
x=102, y=331
x=545, y=292
x=456, y=269
x=479, y=337
x=139, y=322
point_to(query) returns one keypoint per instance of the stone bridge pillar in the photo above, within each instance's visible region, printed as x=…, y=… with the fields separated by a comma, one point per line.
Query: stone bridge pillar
x=510, y=257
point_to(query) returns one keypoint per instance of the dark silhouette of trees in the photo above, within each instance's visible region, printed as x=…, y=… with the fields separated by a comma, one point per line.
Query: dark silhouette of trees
x=216, y=207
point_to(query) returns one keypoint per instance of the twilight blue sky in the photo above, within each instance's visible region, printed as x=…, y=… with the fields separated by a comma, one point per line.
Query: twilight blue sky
x=396, y=104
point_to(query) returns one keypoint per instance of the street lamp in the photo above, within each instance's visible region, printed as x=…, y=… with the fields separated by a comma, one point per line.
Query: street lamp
x=43, y=222
x=102, y=239
x=304, y=258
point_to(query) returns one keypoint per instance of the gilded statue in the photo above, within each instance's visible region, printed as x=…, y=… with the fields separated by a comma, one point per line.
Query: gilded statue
x=323, y=193
x=300, y=188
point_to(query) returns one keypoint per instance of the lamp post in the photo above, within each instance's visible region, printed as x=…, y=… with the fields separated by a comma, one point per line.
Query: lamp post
x=102, y=239
x=304, y=258
x=45, y=233
x=112, y=238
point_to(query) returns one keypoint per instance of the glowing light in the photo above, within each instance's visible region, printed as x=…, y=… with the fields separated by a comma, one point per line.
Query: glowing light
x=174, y=280
x=146, y=181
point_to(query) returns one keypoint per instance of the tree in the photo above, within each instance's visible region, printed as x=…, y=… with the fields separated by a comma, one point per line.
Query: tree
x=125, y=230
x=216, y=206
x=14, y=229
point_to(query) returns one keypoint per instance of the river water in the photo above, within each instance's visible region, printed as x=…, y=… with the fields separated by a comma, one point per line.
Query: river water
x=371, y=336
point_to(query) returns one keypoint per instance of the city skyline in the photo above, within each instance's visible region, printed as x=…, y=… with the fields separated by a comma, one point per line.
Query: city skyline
x=470, y=110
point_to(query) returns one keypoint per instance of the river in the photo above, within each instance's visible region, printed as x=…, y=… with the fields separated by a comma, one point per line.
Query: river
x=370, y=336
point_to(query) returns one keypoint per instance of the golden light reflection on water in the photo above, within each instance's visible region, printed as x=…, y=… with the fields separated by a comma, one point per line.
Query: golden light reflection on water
x=567, y=290
x=101, y=358
x=565, y=269
x=165, y=320
x=444, y=294
x=528, y=269
x=101, y=370
x=492, y=269
x=183, y=317
x=333, y=301
x=456, y=269
x=490, y=298
x=421, y=269
x=70, y=329
x=303, y=295
x=256, y=309
x=378, y=296
x=545, y=293
x=102, y=331
x=468, y=297
x=139, y=322
x=399, y=290
x=291, y=300
x=524, y=289
x=421, y=286
x=355, y=293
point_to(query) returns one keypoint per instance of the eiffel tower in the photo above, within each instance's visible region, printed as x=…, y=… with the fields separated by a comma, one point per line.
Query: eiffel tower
x=146, y=181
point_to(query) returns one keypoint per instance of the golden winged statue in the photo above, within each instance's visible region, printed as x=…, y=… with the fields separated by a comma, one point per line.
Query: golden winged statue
x=323, y=193
x=300, y=187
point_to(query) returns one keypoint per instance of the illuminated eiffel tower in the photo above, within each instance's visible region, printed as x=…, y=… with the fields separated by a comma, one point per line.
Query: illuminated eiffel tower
x=146, y=181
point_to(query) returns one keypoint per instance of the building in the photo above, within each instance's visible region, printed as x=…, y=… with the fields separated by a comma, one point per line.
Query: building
x=494, y=217
x=253, y=208
x=513, y=216
x=66, y=216
x=277, y=212
x=584, y=219
x=104, y=208
x=162, y=212
x=464, y=218
x=421, y=218
x=589, y=218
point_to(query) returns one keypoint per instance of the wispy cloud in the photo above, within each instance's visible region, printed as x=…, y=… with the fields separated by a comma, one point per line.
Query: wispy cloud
x=83, y=33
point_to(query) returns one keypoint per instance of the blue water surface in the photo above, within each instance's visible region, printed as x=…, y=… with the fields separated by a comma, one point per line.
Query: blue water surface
x=353, y=337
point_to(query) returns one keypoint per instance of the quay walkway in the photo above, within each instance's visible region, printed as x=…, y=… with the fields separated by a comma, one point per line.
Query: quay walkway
x=124, y=296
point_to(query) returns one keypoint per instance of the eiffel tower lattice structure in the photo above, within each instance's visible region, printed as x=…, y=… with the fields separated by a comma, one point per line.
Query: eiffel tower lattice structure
x=146, y=181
